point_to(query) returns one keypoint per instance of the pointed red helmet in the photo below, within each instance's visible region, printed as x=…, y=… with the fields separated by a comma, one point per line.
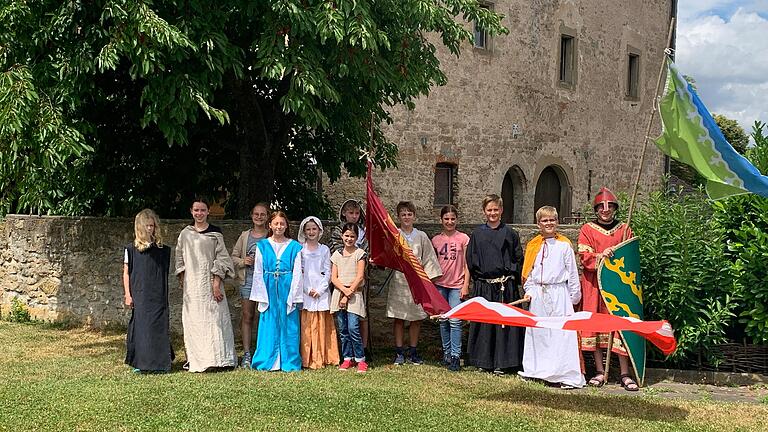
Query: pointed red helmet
x=605, y=197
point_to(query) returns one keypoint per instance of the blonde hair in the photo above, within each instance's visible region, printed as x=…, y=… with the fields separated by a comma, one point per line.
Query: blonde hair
x=142, y=240
x=492, y=198
x=546, y=211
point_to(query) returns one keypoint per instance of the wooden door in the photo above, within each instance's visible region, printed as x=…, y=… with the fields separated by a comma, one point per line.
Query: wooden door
x=548, y=191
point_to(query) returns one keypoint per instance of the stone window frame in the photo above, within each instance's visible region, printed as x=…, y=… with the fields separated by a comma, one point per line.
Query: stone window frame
x=477, y=31
x=633, y=72
x=449, y=183
x=567, y=62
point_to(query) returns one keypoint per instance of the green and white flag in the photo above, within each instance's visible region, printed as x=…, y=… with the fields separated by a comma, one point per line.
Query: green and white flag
x=691, y=136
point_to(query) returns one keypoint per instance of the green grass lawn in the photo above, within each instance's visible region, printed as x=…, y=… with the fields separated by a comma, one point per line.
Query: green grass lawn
x=54, y=379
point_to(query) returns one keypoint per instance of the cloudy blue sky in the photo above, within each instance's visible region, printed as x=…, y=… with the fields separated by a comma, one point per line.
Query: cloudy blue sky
x=724, y=46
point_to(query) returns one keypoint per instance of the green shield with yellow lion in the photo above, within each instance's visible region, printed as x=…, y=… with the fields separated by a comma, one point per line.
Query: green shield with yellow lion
x=619, y=281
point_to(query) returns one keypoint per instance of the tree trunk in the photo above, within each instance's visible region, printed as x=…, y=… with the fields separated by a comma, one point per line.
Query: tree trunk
x=257, y=173
x=261, y=130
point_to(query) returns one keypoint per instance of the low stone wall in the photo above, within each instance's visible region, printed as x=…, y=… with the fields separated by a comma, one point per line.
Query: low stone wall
x=70, y=269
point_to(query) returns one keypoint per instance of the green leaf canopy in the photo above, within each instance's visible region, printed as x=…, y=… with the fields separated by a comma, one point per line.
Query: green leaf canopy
x=110, y=106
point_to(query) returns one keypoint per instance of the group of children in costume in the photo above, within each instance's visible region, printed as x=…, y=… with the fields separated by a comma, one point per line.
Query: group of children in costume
x=311, y=297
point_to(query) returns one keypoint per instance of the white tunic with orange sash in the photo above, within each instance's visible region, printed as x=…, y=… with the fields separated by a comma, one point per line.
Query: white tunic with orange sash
x=552, y=280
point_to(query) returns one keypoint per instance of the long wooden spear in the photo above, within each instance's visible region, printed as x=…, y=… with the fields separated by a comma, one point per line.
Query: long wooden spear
x=367, y=286
x=646, y=138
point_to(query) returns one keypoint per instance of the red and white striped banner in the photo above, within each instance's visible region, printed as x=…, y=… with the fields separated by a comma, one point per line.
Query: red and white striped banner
x=478, y=309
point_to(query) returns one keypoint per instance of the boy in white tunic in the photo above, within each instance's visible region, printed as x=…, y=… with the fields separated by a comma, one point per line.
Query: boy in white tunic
x=400, y=304
x=551, y=284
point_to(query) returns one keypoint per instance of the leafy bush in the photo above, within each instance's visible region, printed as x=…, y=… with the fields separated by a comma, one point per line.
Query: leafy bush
x=744, y=220
x=705, y=264
x=687, y=277
x=18, y=312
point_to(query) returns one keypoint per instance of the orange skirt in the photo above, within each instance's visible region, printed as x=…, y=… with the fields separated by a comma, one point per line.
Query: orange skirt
x=319, y=345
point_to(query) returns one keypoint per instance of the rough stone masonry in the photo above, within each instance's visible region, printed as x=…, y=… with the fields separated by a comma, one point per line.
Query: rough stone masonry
x=70, y=269
x=543, y=115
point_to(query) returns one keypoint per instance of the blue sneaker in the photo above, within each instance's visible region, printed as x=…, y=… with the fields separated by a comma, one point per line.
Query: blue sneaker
x=399, y=357
x=246, y=362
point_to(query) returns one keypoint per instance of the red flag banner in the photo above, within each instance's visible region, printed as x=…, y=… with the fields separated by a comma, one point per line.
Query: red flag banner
x=478, y=309
x=389, y=249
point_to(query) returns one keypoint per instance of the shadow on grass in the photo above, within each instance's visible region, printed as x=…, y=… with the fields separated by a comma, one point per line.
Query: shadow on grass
x=614, y=406
x=111, y=345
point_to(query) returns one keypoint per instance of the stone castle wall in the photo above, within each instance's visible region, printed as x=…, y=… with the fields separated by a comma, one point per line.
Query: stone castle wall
x=70, y=269
x=590, y=132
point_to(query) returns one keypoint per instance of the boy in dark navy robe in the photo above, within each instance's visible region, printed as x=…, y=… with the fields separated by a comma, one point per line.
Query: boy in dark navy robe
x=494, y=259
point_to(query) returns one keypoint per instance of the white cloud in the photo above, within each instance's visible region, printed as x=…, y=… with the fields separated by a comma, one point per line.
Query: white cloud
x=690, y=9
x=723, y=46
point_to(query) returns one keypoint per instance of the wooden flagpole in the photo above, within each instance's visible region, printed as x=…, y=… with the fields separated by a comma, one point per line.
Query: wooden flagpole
x=633, y=199
x=367, y=288
x=654, y=108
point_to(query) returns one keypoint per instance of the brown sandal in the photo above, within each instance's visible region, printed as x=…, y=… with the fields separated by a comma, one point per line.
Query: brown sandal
x=628, y=383
x=598, y=380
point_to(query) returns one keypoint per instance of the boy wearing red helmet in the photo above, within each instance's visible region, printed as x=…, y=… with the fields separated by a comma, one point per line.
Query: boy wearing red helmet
x=597, y=239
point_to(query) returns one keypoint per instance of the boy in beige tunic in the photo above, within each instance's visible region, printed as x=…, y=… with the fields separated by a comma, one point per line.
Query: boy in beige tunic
x=400, y=304
x=202, y=264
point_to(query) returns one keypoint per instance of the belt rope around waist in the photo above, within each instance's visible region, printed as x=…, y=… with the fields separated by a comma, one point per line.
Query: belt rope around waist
x=545, y=284
x=498, y=280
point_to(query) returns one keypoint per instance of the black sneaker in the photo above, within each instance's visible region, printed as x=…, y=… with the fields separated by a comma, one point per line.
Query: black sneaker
x=455, y=364
x=414, y=357
x=446, y=360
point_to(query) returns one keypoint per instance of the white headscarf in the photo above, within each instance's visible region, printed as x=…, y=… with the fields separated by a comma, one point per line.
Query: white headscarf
x=300, y=236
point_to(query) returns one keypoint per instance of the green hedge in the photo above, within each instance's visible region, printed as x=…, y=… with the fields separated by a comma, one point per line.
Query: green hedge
x=744, y=220
x=705, y=265
x=686, y=276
